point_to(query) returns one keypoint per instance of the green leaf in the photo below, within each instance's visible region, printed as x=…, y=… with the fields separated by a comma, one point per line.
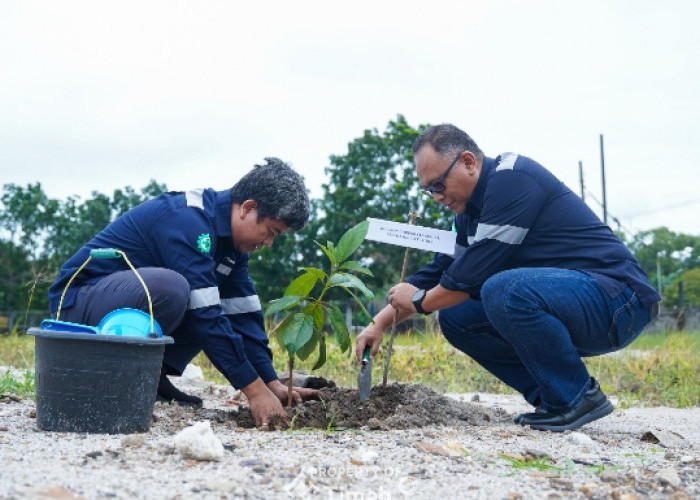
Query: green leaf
x=296, y=332
x=281, y=304
x=340, y=329
x=328, y=252
x=316, y=311
x=321, y=353
x=351, y=241
x=353, y=265
x=305, y=351
x=319, y=273
x=302, y=285
x=349, y=281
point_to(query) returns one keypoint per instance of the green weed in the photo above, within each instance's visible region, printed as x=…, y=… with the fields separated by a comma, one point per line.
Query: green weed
x=538, y=463
x=20, y=384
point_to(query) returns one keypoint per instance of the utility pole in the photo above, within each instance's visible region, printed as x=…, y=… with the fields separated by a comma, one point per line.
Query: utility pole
x=580, y=177
x=602, y=170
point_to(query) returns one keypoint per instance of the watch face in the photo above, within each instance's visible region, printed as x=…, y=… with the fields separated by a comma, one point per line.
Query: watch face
x=418, y=295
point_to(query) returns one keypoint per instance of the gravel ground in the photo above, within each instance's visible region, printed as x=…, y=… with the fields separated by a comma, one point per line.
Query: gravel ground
x=632, y=454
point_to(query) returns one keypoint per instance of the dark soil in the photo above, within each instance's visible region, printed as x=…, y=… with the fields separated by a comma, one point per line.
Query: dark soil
x=396, y=406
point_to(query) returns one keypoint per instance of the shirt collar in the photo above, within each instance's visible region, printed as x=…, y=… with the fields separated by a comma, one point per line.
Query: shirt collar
x=223, y=213
x=476, y=200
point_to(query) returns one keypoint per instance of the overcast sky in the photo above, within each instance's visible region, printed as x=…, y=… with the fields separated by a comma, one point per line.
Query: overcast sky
x=99, y=95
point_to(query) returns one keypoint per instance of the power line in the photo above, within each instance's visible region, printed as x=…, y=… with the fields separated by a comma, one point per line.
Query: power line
x=673, y=206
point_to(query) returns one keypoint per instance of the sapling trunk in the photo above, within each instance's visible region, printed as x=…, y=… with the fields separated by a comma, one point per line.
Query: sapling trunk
x=290, y=382
x=411, y=219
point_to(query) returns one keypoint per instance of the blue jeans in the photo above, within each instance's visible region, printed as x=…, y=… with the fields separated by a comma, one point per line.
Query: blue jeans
x=533, y=325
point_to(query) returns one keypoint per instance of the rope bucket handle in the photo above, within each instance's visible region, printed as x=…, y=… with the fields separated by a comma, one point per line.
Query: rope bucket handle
x=108, y=253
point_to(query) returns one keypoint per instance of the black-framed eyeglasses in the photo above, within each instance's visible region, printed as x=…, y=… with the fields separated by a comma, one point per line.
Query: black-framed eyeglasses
x=439, y=185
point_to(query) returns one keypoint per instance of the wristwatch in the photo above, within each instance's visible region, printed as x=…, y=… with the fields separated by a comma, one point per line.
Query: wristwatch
x=418, y=301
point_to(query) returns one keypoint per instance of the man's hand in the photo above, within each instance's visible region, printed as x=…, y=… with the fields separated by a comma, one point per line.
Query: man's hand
x=299, y=394
x=372, y=336
x=401, y=297
x=264, y=406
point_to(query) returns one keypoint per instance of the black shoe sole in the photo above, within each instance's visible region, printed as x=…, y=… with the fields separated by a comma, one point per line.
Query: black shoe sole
x=599, y=412
x=197, y=404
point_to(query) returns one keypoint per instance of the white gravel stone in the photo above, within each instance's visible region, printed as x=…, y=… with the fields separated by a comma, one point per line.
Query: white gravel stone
x=199, y=442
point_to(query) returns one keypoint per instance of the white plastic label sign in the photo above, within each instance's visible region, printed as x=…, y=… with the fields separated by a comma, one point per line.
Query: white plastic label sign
x=408, y=235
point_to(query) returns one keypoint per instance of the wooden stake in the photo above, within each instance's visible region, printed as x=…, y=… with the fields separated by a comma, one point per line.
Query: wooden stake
x=411, y=219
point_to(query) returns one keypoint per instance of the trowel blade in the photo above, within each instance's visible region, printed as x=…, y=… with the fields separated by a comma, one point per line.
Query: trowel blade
x=364, y=378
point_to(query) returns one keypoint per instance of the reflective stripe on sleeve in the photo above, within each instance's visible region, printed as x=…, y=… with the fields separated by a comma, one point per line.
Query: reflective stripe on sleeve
x=512, y=235
x=241, y=305
x=507, y=161
x=204, y=297
x=223, y=269
x=194, y=198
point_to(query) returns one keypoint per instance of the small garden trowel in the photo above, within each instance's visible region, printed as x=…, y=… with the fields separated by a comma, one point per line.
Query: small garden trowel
x=364, y=378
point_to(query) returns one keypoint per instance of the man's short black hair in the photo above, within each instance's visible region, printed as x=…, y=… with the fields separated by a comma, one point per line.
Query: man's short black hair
x=278, y=190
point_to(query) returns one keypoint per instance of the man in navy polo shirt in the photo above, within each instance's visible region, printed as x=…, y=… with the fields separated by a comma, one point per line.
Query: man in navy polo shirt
x=536, y=283
x=191, y=249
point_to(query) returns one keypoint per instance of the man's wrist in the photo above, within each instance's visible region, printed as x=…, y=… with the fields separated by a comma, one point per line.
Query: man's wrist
x=255, y=388
x=417, y=300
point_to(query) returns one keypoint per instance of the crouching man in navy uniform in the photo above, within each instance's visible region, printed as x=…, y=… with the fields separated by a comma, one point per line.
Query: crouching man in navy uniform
x=537, y=280
x=191, y=249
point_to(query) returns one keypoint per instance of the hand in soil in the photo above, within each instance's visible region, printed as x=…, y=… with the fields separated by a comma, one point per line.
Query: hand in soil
x=264, y=404
x=299, y=394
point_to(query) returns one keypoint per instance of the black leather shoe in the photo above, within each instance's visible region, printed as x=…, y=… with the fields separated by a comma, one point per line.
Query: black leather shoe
x=168, y=392
x=519, y=417
x=593, y=406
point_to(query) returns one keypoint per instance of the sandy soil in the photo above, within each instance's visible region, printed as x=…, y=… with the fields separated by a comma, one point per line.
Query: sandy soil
x=409, y=443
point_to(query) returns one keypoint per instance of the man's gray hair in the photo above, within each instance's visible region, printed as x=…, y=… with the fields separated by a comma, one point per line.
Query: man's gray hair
x=446, y=139
x=278, y=190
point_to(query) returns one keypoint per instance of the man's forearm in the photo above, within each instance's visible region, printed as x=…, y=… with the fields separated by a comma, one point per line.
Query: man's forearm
x=441, y=298
x=385, y=318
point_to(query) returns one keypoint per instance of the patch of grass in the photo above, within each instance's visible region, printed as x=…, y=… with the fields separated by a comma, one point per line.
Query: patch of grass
x=17, y=383
x=656, y=370
x=539, y=463
x=17, y=351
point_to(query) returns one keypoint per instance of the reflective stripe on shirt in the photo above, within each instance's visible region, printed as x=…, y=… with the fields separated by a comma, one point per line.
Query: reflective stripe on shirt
x=241, y=305
x=204, y=297
x=512, y=235
x=507, y=161
x=194, y=198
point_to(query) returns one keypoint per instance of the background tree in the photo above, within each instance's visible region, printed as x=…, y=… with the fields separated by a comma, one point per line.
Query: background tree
x=691, y=290
x=376, y=178
x=39, y=234
x=667, y=252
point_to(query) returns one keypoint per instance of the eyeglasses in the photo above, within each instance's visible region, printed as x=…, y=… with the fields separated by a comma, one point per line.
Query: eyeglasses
x=439, y=185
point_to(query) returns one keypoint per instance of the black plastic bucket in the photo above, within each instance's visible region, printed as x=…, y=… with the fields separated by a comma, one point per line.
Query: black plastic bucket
x=96, y=383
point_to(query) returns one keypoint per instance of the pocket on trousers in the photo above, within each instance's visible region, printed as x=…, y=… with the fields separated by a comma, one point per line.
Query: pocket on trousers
x=628, y=322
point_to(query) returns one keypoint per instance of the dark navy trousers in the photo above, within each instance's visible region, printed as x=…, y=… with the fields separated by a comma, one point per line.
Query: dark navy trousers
x=169, y=293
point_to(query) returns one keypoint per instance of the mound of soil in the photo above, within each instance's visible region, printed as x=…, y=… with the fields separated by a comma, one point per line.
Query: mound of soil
x=395, y=406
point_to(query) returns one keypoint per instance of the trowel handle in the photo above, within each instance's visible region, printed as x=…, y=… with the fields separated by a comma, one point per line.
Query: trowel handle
x=365, y=354
x=105, y=253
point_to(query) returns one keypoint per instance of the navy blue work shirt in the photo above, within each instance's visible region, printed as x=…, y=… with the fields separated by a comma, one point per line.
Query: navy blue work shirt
x=521, y=215
x=189, y=233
